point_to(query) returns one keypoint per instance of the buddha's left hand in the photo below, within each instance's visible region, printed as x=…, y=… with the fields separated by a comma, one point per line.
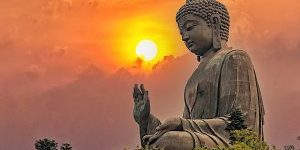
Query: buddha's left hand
x=172, y=124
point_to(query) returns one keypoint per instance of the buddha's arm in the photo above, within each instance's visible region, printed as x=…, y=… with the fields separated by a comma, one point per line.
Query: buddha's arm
x=238, y=90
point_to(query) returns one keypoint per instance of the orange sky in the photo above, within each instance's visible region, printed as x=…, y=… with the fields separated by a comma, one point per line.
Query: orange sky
x=65, y=60
x=101, y=32
x=106, y=33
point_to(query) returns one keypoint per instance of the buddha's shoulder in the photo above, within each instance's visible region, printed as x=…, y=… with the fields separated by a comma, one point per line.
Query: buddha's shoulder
x=236, y=57
x=232, y=52
x=228, y=54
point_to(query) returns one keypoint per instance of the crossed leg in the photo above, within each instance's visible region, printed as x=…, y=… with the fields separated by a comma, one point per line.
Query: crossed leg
x=175, y=140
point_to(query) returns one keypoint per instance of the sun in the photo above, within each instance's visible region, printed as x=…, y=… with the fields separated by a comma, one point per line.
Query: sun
x=146, y=49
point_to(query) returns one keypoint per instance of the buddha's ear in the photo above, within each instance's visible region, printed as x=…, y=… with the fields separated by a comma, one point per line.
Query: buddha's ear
x=216, y=24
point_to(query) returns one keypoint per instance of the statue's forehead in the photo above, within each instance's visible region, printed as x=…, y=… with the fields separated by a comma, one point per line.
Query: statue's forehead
x=188, y=17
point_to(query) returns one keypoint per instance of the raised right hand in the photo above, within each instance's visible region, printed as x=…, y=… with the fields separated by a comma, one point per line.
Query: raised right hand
x=141, y=110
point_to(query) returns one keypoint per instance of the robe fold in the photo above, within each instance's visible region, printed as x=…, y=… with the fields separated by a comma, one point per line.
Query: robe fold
x=220, y=85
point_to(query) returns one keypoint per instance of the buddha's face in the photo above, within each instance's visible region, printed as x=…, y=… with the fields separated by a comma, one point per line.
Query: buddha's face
x=196, y=34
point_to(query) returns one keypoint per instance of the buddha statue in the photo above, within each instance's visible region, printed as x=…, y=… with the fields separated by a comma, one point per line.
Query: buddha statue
x=224, y=81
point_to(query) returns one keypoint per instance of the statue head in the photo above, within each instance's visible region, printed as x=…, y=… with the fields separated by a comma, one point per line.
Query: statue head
x=203, y=25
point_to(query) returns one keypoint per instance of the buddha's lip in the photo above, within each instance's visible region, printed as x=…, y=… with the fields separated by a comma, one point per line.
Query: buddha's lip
x=190, y=44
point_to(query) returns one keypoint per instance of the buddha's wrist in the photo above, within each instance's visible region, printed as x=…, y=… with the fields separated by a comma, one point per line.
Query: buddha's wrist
x=144, y=122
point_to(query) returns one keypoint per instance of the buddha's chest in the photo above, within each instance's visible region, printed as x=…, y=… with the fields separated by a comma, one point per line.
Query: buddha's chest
x=201, y=90
x=197, y=88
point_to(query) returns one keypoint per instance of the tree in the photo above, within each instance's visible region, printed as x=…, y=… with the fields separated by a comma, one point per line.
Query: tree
x=248, y=140
x=45, y=144
x=237, y=121
x=66, y=146
x=244, y=140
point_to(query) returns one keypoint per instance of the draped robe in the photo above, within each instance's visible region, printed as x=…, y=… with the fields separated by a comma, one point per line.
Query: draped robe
x=221, y=84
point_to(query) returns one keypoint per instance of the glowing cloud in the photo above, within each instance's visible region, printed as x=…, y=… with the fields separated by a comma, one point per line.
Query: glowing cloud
x=132, y=31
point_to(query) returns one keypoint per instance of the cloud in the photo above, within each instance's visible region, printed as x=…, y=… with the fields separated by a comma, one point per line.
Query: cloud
x=94, y=110
x=55, y=81
x=93, y=3
x=55, y=8
x=33, y=73
x=166, y=60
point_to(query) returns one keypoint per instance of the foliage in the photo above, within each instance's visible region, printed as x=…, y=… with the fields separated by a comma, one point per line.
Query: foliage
x=45, y=144
x=245, y=140
x=248, y=139
x=48, y=144
x=65, y=146
x=237, y=121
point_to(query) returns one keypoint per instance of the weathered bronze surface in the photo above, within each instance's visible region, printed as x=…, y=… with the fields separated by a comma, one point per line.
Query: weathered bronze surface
x=224, y=81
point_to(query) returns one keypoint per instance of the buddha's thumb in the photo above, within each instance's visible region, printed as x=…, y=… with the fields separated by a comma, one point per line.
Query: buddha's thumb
x=157, y=128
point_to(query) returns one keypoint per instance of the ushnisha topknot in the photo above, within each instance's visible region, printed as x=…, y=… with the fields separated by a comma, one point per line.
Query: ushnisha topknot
x=206, y=9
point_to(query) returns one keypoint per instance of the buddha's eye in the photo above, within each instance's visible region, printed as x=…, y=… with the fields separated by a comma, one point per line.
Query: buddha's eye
x=190, y=28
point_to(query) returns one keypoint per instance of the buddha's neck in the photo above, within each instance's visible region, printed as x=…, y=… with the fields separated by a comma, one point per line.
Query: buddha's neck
x=212, y=51
x=207, y=55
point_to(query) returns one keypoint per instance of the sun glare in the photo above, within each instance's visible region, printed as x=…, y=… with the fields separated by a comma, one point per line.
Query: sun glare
x=146, y=49
x=145, y=37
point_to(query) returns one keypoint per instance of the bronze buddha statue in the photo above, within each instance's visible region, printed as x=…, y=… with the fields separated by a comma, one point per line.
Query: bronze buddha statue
x=224, y=81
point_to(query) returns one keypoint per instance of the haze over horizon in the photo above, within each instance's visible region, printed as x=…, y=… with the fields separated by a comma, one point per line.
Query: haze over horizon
x=65, y=73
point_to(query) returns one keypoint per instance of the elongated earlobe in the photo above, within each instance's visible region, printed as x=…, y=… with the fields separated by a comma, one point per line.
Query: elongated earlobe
x=215, y=23
x=198, y=58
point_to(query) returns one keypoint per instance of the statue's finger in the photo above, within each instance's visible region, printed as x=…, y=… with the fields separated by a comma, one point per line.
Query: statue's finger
x=146, y=137
x=136, y=88
x=153, y=139
x=136, y=91
x=145, y=96
x=142, y=88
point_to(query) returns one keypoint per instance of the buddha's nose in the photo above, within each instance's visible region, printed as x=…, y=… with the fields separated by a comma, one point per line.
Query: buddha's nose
x=185, y=37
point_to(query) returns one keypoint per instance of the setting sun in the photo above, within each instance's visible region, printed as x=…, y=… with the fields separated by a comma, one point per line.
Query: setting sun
x=144, y=37
x=146, y=49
